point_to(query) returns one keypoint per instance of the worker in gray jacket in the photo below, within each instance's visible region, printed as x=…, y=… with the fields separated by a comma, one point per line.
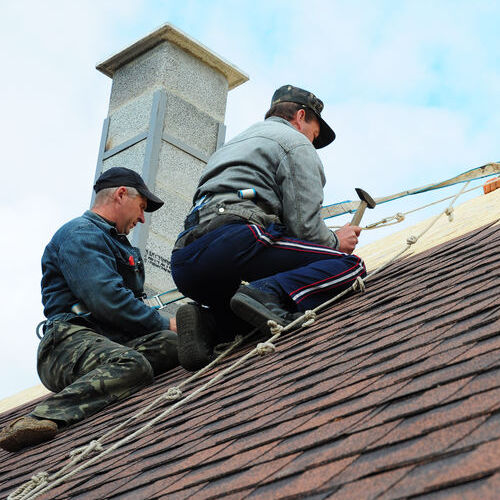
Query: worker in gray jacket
x=256, y=217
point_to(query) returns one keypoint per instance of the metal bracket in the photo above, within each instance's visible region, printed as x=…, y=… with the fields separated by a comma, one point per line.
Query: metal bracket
x=151, y=160
x=221, y=136
x=196, y=153
x=100, y=156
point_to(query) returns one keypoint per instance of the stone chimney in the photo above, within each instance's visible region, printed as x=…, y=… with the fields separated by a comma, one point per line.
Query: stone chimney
x=165, y=119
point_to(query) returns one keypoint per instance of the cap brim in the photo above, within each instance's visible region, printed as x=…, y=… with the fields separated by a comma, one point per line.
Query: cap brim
x=326, y=134
x=153, y=202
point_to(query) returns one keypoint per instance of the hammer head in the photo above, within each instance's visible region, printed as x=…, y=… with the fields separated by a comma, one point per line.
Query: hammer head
x=364, y=196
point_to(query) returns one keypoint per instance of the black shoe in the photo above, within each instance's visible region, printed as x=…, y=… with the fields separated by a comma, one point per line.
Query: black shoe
x=195, y=330
x=258, y=307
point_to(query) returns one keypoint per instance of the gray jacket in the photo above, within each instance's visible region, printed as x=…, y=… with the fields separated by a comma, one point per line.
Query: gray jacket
x=282, y=166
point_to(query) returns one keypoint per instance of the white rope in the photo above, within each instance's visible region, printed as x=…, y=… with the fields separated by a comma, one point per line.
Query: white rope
x=359, y=285
x=38, y=480
x=172, y=394
x=274, y=327
x=264, y=348
x=84, y=451
x=42, y=482
x=412, y=239
x=310, y=317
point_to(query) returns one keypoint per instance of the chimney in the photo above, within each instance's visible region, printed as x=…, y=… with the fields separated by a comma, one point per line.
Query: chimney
x=165, y=119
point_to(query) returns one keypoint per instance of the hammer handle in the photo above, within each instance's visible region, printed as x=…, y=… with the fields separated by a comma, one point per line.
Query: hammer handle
x=359, y=214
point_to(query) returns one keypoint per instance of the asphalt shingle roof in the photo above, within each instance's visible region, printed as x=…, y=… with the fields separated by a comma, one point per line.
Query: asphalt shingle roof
x=391, y=394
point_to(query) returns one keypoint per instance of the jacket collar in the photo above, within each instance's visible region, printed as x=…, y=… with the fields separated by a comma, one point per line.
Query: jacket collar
x=280, y=120
x=101, y=222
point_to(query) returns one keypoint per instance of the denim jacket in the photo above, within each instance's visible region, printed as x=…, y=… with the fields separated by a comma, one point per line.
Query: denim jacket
x=88, y=262
x=281, y=164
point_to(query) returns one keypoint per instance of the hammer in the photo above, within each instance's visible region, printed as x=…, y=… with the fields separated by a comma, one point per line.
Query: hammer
x=366, y=201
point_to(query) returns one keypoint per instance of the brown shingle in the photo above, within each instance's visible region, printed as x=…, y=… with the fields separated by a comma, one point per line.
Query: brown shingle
x=393, y=393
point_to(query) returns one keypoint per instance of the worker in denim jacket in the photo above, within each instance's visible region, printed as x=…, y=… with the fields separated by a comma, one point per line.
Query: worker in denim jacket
x=100, y=341
x=256, y=218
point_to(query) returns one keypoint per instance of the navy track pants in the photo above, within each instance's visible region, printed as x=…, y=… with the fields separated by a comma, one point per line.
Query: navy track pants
x=210, y=269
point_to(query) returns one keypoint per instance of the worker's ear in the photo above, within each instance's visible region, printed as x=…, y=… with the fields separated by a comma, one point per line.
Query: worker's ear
x=120, y=194
x=301, y=115
x=299, y=119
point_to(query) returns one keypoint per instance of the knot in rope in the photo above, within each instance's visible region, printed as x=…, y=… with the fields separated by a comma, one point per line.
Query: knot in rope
x=84, y=451
x=411, y=240
x=264, y=348
x=172, y=394
x=449, y=212
x=39, y=479
x=274, y=328
x=400, y=217
x=309, y=317
x=359, y=285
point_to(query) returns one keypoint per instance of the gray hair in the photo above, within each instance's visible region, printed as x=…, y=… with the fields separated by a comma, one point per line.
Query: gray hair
x=102, y=197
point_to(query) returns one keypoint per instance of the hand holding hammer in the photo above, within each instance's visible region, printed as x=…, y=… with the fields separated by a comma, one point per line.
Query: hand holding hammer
x=366, y=201
x=348, y=234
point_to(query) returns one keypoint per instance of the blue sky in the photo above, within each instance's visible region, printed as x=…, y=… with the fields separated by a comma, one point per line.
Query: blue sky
x=410, y=87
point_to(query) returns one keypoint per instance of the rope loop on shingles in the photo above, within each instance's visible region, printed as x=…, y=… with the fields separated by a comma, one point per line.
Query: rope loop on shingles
x=274, y=327
x=85, y=451
x=310, y=318
x=264, y=348
x=359, y=285
x=172, y=394
x=41, y=482
x=38, y=480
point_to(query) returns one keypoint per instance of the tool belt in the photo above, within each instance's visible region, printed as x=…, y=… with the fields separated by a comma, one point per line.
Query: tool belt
x=220, y=210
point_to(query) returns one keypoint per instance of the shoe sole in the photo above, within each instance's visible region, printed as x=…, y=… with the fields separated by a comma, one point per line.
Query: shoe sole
x=252, y=311
x=193, y=349
x=28, y=436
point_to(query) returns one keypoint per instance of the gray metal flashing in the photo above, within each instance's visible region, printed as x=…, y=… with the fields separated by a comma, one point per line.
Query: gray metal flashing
x=151, y=159
x=125, y=145
x=100, y=156
x=221, y=136
x=196, y=153
x=169, y=33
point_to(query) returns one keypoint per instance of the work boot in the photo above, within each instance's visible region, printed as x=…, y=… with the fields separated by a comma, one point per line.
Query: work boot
x=26, y=431
x=196, y=336
x=257, y=307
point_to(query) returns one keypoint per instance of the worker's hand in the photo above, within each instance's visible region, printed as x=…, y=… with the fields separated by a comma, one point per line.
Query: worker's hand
x=171, y=319
x=173, y=324
x=348, y=237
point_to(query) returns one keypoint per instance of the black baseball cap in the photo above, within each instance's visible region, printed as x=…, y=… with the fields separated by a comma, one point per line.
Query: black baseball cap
x=289, y=93
x=121, y=176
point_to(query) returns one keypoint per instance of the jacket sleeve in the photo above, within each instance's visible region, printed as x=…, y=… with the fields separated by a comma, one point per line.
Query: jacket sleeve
x=301, y=179
x=90, y=269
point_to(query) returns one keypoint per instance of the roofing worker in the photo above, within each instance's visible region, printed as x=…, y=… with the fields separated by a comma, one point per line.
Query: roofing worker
x=101, y=342
x=256, y=217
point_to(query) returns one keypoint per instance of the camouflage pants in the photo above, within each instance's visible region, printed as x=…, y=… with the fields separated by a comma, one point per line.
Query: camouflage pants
x=88, y=371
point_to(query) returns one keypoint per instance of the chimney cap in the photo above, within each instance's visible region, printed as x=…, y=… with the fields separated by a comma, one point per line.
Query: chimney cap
x=170, y=33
